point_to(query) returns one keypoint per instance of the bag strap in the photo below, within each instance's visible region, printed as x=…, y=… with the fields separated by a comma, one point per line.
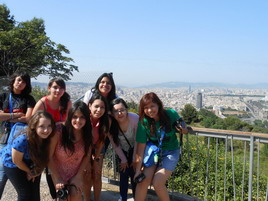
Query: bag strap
x=44, y=105
x=10, y=107
x=124, y=136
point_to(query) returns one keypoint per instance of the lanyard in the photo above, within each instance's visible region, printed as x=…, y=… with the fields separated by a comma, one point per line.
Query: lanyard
x=10, y=108
x=162, y=135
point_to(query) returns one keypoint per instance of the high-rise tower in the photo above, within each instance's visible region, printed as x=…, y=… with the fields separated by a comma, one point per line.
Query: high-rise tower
x=199, y=100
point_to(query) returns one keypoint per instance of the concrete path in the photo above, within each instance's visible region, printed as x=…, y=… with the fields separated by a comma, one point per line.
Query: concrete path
x=106, y=194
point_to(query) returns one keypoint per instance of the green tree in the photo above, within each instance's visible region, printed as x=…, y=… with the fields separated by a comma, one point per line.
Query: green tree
x=207, y=118
x=24, y=46
x=133, y=107
x=38, y=92
x=189, y=113
x=233, y=123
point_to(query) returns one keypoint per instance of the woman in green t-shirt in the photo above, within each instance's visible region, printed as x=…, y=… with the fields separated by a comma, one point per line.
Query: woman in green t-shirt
x=154, y=119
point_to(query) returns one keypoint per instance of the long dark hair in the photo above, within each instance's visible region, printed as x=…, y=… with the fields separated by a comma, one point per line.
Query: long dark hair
x=26, y=78
x=112, y=93
x=164, y=119
x=115, y=128
x=104, y=120
x=65, y=97
x=39, y=152
x=68, y=132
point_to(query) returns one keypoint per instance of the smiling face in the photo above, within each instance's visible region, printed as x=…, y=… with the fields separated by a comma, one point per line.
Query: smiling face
x=18, y=85
x=119, y=112
x=78, y=120
x=44, y=128
x=151, y=110
x=105, y=86
x=97, y=109
x=55, y=90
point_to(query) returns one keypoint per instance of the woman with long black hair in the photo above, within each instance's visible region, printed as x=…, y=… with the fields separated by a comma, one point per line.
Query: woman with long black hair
x=16, y=105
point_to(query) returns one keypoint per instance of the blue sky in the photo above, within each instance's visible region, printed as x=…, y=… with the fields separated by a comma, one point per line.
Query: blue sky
x=153, y=41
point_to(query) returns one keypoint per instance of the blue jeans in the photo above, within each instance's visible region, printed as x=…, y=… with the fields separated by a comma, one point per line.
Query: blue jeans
x=124, y=176
x=26, y=190
x=3, y=176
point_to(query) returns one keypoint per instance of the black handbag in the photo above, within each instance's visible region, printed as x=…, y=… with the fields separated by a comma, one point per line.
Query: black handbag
x=4, y=132
x=6, y=126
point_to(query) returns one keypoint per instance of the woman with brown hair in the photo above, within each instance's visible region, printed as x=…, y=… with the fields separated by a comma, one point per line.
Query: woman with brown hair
x=156, y=125
x=57, y=103
x=27, y=154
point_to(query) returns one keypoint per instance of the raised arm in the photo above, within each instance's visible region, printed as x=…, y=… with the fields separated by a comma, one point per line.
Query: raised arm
x=139, y=158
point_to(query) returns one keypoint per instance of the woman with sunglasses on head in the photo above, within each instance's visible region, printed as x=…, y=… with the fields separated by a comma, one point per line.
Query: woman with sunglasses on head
x=156, y=123
x=16, y=105
x=57, y=103
x=127, y=123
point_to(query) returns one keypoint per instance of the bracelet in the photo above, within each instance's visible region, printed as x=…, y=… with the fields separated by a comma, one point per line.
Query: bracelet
x=11, y=116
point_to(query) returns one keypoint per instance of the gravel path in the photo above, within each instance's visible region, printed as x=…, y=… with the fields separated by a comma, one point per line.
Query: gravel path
x=109, y=192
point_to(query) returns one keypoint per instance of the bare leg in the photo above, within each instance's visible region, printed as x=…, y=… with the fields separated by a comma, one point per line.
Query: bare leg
x=97, y=181
x=142, y=188
x=159, y=183
x=75, y=195
x=87, y=185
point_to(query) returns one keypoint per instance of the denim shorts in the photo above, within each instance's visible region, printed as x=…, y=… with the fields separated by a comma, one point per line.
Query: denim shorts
x=170, y=159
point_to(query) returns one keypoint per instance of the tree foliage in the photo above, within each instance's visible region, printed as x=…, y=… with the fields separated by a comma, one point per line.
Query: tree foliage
x=24, y=46
x=38, y=93
x=189, y=113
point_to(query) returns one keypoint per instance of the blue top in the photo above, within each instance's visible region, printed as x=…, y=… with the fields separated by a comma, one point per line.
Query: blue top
x=20, y=143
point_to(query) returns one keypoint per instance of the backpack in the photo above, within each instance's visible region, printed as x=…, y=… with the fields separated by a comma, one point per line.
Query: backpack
x=16, y=130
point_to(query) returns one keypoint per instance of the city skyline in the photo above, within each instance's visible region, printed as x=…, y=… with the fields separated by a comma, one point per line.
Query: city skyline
x=158, y=41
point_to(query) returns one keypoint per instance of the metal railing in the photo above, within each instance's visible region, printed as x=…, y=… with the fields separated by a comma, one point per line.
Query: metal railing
x=217, y=165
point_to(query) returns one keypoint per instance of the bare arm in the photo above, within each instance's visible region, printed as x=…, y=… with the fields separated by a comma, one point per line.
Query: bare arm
x=25, y=118
x=99, y=147
x=38, y=106
x=139, y=157
x=10, y=116
x=118, y=150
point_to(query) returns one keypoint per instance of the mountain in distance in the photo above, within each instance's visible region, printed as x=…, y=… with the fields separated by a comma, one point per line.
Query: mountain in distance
x=82, y=84
x=172, y=85
x=205, y=85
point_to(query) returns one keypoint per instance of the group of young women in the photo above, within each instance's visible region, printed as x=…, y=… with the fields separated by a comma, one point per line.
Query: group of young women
x=70, y=140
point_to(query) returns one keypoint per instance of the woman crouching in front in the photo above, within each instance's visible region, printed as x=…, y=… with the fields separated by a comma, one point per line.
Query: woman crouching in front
x=154, y=120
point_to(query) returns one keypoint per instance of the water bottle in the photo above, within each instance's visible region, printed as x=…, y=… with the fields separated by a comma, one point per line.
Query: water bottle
x=156, y=158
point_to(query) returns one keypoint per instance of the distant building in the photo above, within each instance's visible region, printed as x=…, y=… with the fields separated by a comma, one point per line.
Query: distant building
x=190, y=89
x=199, y=101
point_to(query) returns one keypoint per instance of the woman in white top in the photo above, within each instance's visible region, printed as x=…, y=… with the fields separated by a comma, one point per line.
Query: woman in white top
x=126, y=139
x=105, y=86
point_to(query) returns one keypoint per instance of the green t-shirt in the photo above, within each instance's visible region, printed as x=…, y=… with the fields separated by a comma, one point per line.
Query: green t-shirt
x=170, y=141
